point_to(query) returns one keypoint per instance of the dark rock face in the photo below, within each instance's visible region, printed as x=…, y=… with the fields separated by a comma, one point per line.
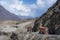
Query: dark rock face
x=50, y=19
x=14, y=36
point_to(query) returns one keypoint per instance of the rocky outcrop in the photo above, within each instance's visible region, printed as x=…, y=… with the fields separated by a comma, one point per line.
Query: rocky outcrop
x=19, y=33
x=31, y=36
x=50, y=19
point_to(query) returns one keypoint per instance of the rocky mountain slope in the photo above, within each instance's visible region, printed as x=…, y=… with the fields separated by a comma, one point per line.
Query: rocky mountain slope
x=50, y=19
x=6, y=15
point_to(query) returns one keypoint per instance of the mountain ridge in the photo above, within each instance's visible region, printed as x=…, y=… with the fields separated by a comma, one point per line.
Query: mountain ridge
x=6, y=15
x=50, y=19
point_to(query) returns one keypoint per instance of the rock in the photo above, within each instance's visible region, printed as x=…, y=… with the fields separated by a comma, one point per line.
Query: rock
x=14, y=36
x=50, y=19
x=2, y=37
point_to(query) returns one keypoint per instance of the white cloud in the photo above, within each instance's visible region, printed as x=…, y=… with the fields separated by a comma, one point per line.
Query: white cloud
x=24, y=11
x=44, y=3
x=50, y=3
x=33, y=6
x=24, y=14
x=17, y=7
x=40, y=3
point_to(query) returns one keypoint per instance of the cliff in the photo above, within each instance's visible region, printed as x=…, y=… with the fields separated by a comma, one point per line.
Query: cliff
x=50, y=19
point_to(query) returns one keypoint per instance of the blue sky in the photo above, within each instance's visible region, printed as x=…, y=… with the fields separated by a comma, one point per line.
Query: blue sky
x=31, y=8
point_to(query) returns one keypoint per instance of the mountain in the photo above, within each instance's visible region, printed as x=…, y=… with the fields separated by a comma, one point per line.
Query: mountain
x=6, y=15
x=50, y=19
x=25, y=17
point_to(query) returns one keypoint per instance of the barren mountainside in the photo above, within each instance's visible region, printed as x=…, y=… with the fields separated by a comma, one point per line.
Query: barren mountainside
x=50, y=19
x=6, y=15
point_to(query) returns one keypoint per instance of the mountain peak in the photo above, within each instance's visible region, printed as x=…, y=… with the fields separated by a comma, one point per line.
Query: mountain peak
x=6, y=15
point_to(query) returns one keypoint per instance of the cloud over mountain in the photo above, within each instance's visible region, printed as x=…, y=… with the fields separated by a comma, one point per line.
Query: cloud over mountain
x=6, y=15
x=19, y=7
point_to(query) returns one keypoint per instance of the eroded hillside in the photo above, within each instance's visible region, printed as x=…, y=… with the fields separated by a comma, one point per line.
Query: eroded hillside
x=50, y=19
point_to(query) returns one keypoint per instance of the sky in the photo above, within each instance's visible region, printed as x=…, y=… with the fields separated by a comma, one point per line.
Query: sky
x=28, y=8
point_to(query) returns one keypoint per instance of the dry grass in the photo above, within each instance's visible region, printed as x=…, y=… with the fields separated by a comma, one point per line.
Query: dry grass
x=9, y=22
